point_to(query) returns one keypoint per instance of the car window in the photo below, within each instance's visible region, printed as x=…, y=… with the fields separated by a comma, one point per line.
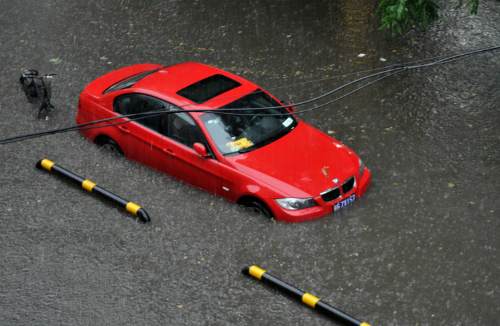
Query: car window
x=139, y=103
x=182, y=128
x=178, y=126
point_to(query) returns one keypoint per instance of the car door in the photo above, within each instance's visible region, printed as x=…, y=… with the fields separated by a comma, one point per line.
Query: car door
x=182, y=132
x=165, y=142
x=135, y=135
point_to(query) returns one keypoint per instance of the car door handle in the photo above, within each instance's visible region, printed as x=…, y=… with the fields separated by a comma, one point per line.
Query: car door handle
x=168, y=151
x=124, y=129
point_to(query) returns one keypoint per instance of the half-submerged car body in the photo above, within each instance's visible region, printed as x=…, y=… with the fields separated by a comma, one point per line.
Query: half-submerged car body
x=265, y=158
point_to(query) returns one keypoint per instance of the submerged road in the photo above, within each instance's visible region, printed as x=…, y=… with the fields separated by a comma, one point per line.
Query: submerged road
x=421, y=248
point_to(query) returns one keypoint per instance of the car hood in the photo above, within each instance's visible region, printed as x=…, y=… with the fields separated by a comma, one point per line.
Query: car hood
x=302, y=163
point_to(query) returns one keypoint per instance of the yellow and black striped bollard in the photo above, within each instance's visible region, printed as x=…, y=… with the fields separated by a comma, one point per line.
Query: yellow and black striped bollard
x=306, y=298
x=90, y=186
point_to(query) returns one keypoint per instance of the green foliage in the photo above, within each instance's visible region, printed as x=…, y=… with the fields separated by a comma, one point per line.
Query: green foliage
x=399, y=16
x=473, y=6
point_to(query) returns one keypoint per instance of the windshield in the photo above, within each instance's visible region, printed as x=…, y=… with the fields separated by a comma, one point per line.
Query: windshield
x=239, y=134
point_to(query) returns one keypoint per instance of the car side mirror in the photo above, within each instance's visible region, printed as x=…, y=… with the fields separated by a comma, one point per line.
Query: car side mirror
x=200, y=149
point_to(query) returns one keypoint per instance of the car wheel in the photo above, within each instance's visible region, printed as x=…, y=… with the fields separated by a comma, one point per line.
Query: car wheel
x=109, y=145
x=257, y=207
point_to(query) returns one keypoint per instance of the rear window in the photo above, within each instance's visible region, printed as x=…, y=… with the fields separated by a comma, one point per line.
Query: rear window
x=208, y=88
x=130, y=81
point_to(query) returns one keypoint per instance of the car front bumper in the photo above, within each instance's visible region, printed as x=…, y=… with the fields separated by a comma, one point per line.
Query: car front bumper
x=323, y=208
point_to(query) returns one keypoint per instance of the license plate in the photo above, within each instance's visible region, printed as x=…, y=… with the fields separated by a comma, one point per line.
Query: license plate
x=346, y=202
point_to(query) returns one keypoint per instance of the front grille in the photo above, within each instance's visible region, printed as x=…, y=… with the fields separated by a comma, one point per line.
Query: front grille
x=347, y=186
x=330, y=194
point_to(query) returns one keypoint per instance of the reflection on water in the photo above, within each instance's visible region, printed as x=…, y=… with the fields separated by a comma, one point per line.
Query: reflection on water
x=356, y=19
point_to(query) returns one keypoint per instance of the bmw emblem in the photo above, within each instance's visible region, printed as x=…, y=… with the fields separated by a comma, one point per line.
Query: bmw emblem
x=335, y=180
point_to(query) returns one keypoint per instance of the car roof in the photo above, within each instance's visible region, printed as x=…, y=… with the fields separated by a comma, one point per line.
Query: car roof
x=168, y=81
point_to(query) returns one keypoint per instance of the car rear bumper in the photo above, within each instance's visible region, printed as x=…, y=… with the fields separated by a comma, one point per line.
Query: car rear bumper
x=323, y=208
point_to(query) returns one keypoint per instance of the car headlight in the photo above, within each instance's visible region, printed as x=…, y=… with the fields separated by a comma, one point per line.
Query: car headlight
x=296, y=203
x=361, y=167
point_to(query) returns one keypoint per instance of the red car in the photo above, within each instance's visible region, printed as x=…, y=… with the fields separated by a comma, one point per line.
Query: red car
x=271, y=161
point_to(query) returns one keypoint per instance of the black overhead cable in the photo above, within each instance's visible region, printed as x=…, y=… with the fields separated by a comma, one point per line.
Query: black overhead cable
x=389, y=71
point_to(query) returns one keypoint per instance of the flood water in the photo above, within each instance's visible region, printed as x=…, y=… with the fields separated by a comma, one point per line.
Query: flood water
x=421, y=248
